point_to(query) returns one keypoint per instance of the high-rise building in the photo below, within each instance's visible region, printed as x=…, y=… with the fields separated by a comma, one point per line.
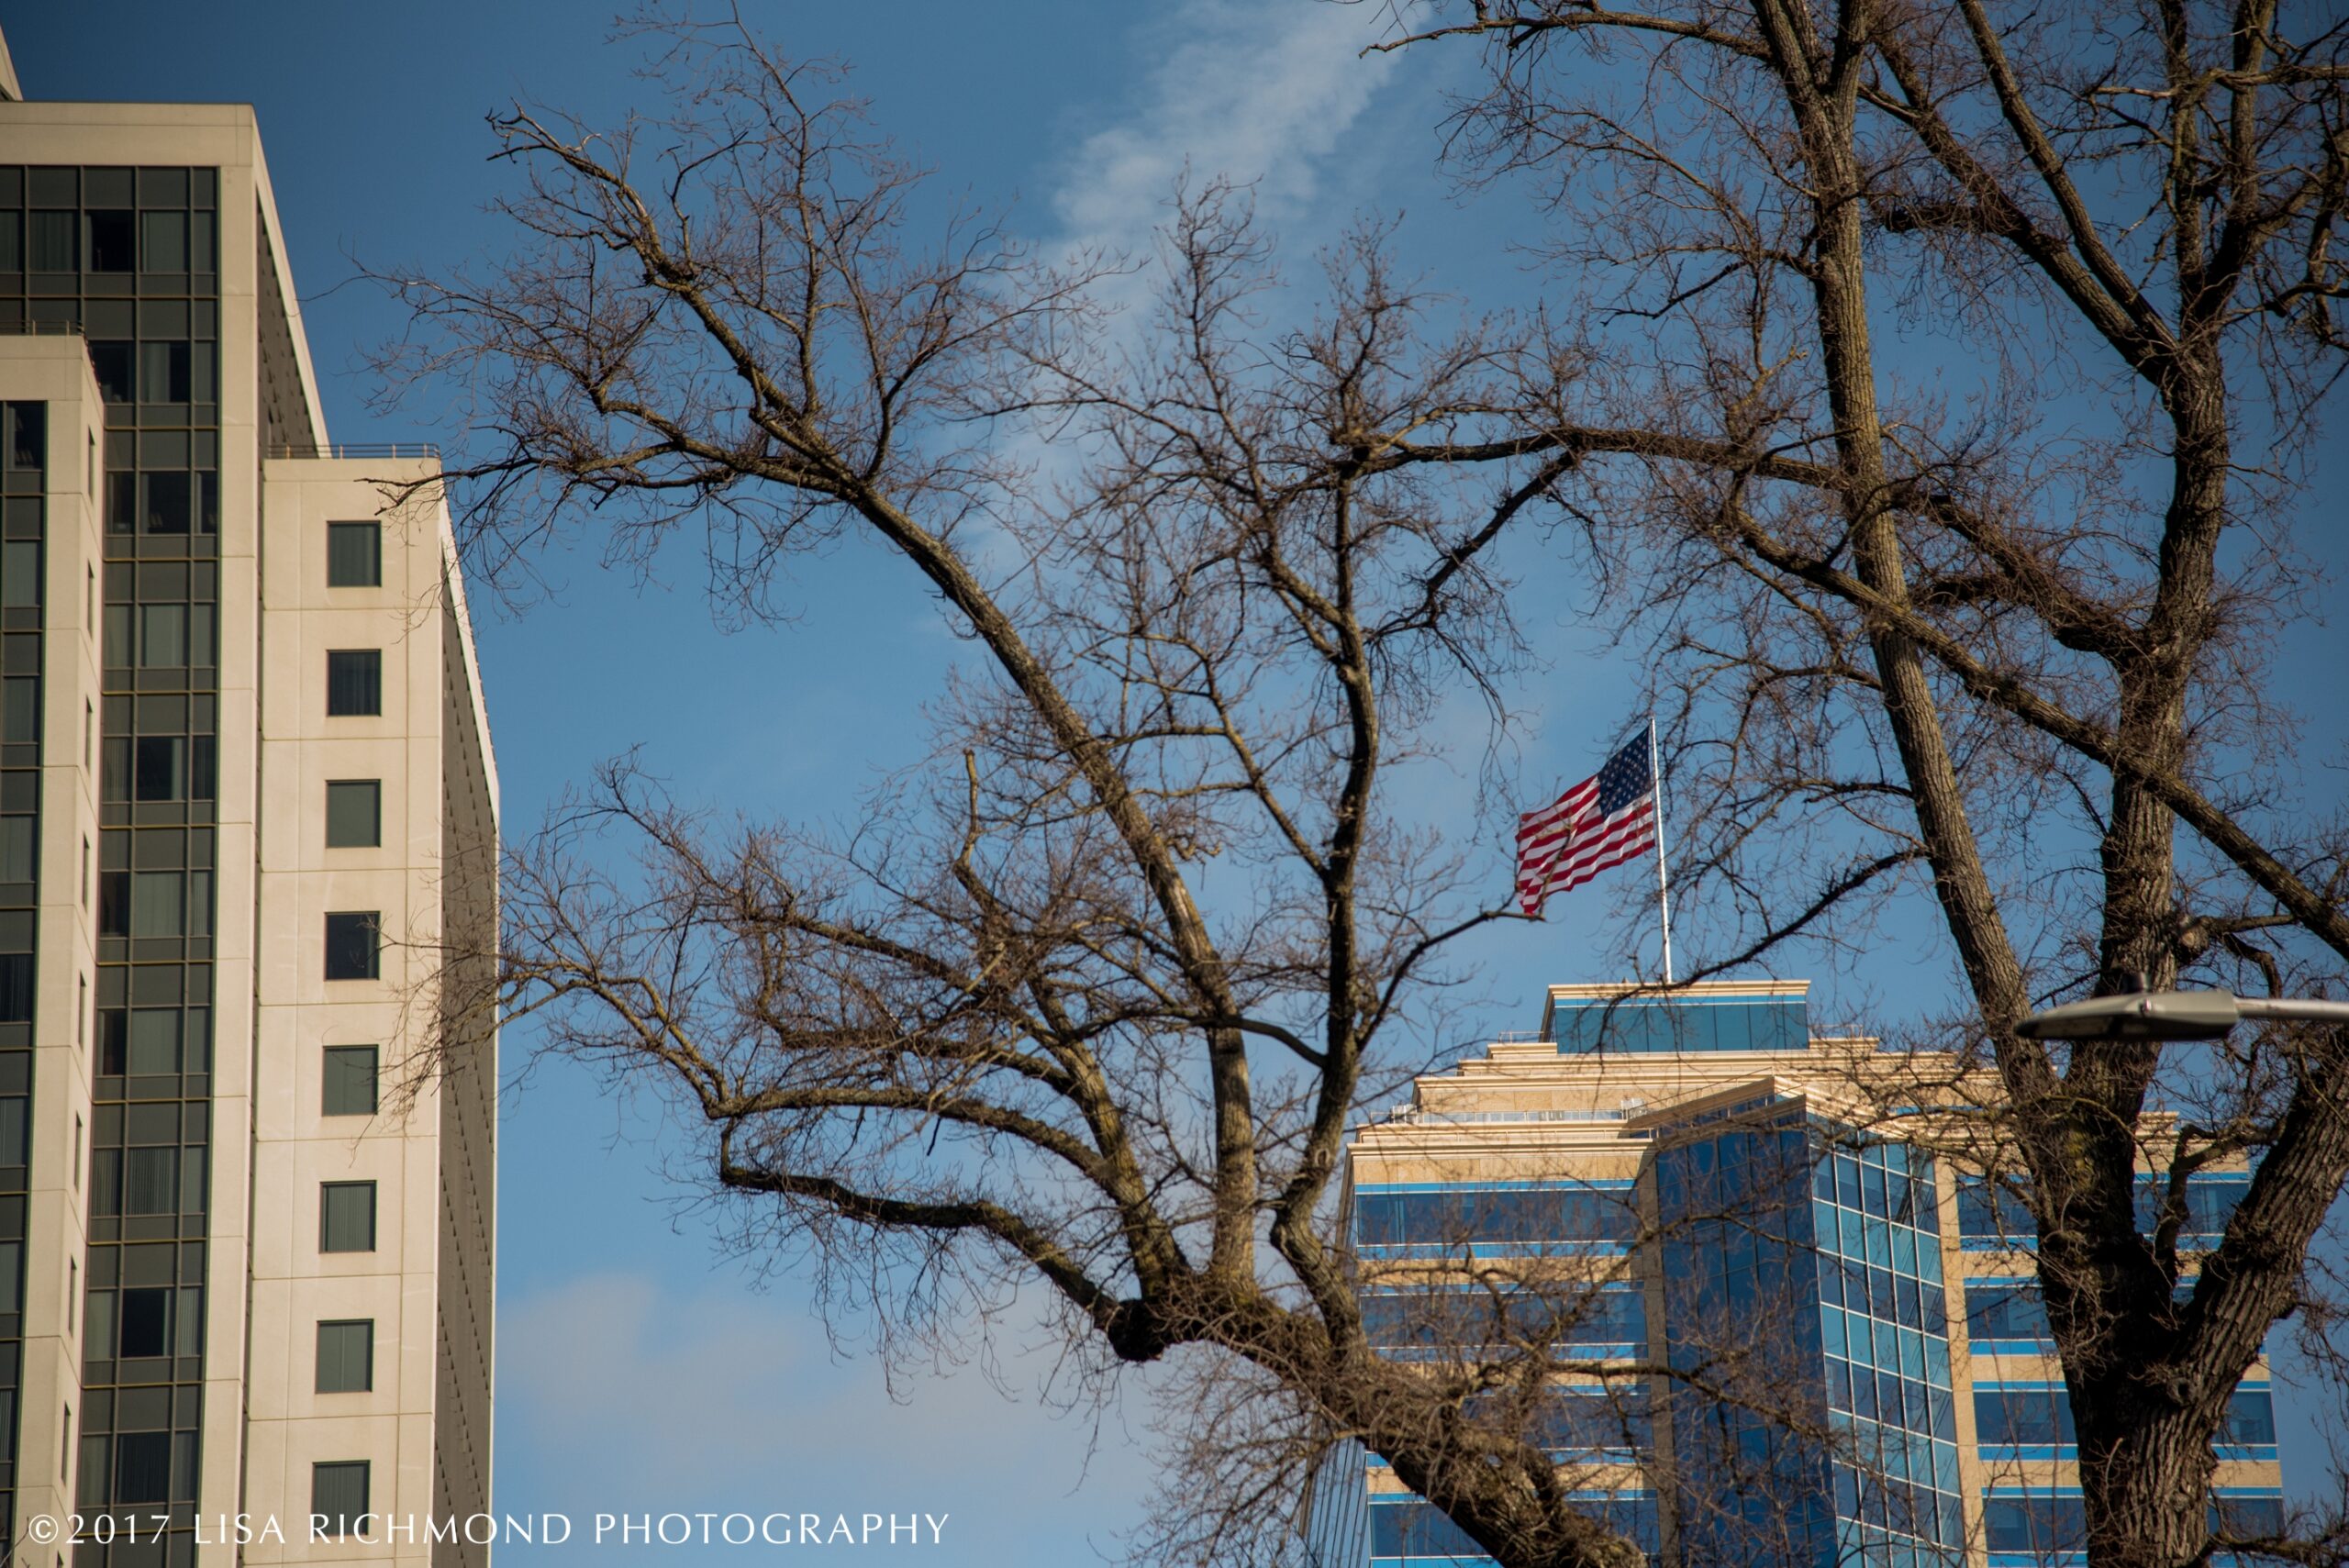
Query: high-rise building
x=1860, y=1367
x=247, y=1170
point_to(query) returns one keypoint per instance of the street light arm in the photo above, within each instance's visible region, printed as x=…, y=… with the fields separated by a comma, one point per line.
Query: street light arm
x=2292, y=1007
x=2170, y=1015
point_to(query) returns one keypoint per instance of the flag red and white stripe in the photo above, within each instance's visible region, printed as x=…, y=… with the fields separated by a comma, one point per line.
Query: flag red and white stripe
x=1604, y=820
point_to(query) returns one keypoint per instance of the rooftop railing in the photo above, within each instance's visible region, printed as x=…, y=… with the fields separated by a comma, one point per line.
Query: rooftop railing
x=359, y=449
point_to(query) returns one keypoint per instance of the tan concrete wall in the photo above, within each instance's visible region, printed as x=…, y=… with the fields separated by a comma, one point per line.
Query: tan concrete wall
x=298, y=1012
x=56, y=371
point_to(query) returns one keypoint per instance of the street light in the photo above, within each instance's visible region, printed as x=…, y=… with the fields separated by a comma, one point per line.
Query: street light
x=2169, y=1014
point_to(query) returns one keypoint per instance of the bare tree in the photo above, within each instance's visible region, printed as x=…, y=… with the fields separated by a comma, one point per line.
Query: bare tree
x=2004, y=636
x=1090, y=999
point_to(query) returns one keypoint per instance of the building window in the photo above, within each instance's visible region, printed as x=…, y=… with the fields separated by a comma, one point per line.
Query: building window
x=347, y=1217
x=350, y=945
x=355, y=555
x=354, y=813
x=53, y=248
x=110, y=242
x=142, y=1467
x=355, y=681
x=16, y=988
x=347, y=1356
x=16, y=842
x=350, y=1081
x=158, y=903
x=160, y=770
x=338, y=1496
x=146, y=1322
x=21, y=573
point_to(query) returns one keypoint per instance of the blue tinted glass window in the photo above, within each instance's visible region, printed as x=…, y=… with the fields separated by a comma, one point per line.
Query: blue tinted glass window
x=2006, y=1311
x=2022, y=1415
x=2251, y=1516
x=2034, y=1524
x=1440, y=1319
x=1520, y=1216
x=2250, y=1419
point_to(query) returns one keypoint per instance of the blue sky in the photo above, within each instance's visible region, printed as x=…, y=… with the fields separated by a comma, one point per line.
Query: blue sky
x=641, y=1367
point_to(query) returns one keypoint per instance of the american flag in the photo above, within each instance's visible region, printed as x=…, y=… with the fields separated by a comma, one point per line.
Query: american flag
x=1603, y=821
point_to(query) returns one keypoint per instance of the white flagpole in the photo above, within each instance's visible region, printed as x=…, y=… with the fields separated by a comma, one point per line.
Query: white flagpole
x=1662, y=881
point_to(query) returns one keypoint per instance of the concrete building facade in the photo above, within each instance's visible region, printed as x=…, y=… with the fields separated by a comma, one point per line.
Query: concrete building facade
x=1700, y=1182
x=248, y=806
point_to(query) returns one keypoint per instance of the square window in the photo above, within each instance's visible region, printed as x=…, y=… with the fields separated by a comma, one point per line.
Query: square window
x=351, y=944
x=146, y=1323
x=354, y=813
x=163, y=628
x=158, y=773
x=347, y=1217
x=21, y=573
x=355, y=681
x=338, y=1496
x=350, y=1081
x=110, y=248
x=355, y=555
x=165, y=241
x=347, y=1356
x=142, y=1467
x=112, y=361
x=159, y=904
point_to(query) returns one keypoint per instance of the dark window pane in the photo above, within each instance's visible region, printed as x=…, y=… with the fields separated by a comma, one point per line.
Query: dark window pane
x=354, y=555
x=110, y=243
x=355, y=681
x=350, y=945
x=347, y=1356
x=146, y=1322
x=168, y=498
x=114, y=904
x=29, y=436
x=159, y=772
x=151, y=1180
x=354, y=813
x=347, y=1217
x=114, y=365
x=142, y=1467
x=338, y=1496
x=16, y=987
x=350, y=1081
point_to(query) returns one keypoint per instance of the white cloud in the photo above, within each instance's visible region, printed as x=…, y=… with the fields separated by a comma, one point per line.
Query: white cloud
x=618, y=1392
x=1269, y=93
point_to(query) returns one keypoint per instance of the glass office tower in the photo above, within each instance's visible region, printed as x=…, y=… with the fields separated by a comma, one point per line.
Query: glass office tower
x=245, y=787
x=1862, y=1371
